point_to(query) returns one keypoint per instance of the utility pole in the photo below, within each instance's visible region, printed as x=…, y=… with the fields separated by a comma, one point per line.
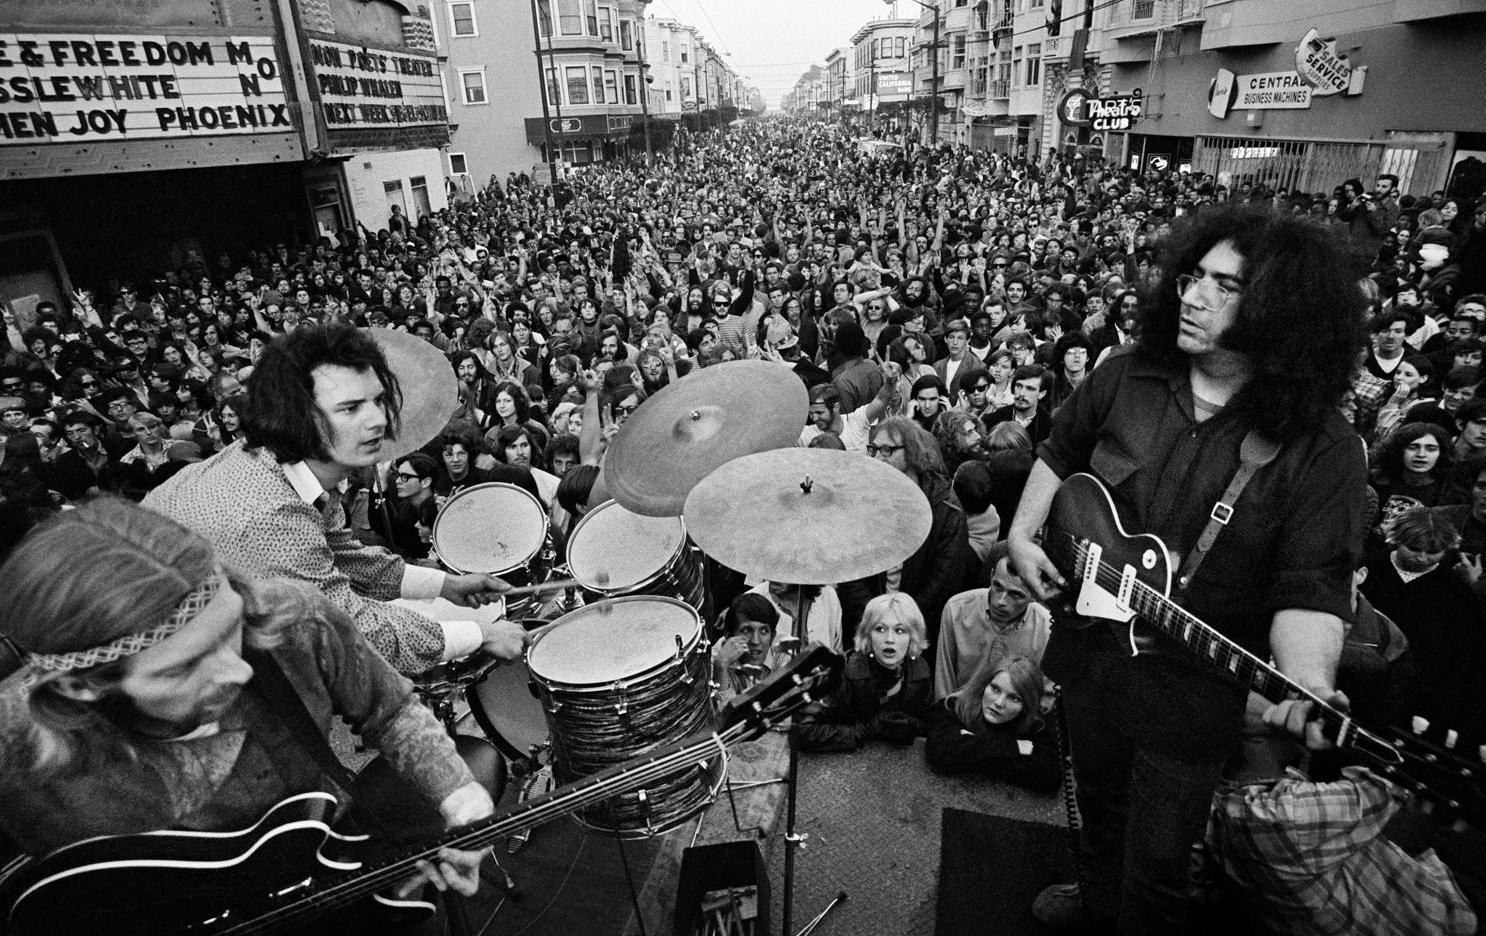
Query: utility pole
x=934, y=92
x=557, y=78
x=644, y=88
x=536, y=34
x=872, y=86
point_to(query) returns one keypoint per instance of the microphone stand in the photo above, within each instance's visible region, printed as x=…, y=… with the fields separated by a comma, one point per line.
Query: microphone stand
x=791, y=776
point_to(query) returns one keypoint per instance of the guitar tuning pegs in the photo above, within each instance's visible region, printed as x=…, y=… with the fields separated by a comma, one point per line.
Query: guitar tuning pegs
x=1451, y=737
x=1419, y=723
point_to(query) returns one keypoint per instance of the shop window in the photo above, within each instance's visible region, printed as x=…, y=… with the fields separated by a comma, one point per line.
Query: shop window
x=463, y=17
x=472, y=80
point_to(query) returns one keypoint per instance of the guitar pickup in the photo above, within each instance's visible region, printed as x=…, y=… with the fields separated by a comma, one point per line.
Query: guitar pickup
x=1094, y=599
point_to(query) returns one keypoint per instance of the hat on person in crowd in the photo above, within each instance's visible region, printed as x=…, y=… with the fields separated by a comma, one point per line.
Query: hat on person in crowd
x=1436, y=234
x=8, y=403
x=780, y=335
x=1470, y=411
x=563, y=409
x=796, y=281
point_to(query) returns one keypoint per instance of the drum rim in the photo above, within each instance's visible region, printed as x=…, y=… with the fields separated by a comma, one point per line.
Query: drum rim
x=691, y=646
x=717, y=776
x=535, y=502
x=623, y=590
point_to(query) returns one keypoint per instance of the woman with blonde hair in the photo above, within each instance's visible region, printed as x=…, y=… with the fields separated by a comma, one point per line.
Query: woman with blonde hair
x=885, y=687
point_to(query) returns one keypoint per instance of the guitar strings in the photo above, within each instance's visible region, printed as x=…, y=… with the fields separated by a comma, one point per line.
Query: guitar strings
x=558, y=803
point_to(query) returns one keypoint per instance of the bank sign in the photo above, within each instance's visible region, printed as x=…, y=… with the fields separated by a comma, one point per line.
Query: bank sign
x=83, y=88
x=1080, y=108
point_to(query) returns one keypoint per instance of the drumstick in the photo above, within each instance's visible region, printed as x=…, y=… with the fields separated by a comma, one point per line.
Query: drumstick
x=554, y=585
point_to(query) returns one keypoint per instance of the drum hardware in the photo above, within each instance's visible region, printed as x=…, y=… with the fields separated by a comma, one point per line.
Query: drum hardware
x=609, y=680
x=614, y=552
x=693, y=426
x=821, y=497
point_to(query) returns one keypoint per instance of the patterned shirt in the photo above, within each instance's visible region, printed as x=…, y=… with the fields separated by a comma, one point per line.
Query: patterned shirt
x=242, y=500
x=1314, y=858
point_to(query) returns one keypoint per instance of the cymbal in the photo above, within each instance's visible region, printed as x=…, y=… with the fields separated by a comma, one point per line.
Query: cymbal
x=808, y=516
x=706, y=419
x=430, y=390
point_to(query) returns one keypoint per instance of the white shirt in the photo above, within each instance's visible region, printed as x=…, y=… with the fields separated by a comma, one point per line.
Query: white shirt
x=461, y=637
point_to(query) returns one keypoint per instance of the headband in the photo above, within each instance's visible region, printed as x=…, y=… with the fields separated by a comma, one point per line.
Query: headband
x=130, y=644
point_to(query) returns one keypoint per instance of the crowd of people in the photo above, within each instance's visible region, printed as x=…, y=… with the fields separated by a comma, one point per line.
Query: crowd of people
x=944, y=308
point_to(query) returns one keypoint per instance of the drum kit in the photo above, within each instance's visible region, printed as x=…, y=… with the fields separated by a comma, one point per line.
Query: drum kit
x=620, y=664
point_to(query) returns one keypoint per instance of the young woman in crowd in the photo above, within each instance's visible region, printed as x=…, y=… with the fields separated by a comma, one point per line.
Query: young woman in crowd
x=1410, y=471
x=885, y=688
x=994, y=727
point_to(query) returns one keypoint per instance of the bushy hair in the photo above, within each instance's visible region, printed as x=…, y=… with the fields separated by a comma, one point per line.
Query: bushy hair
x=920, y=450
x=281, y=414
x=1299, y=318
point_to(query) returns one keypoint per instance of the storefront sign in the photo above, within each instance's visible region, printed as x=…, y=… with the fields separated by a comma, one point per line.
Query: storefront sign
x=1080, y=108
x=362, y=87
x=82, y=88
x=892, y=86
x=1322, y=68
x=588, y=125
x=1265, y=91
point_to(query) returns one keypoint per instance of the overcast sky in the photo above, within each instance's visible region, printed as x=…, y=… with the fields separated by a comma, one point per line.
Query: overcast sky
x=773, y=41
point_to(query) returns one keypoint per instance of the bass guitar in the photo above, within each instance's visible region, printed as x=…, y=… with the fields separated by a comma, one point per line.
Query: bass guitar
x=290, y=869
x=1126, y=578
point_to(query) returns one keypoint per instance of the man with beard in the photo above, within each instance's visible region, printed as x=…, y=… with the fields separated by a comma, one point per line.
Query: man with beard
x=854, y=427
x=144, y=700
x=1000, y=621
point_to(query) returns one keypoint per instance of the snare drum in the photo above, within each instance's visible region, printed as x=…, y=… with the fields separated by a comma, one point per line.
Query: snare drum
x=614, y=552
x=497, y=528
x=618, y=679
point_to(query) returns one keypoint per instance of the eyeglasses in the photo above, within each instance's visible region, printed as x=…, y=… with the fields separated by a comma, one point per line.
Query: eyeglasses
x=87, y=384
x=886, y=450
x=1219, y=294
x=721, y=303
x=626, y=410
x=404, y=476
x=980, y=388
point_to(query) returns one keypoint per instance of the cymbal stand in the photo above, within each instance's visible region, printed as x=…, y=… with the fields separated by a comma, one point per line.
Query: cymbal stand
x=791, y=777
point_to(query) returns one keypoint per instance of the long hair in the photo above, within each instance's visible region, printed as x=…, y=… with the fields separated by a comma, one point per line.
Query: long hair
x=1299, y=317
x=1026, y=680
x=281, y=414
x=920, y=450
x=91, y=575
x=1390, y=466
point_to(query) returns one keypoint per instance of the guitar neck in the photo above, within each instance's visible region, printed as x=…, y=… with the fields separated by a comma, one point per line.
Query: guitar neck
x=588, y=791
x=1220, y=652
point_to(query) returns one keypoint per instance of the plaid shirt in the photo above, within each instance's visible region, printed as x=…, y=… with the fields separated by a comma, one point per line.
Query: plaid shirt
x=1369, y=393
x=1314, y=857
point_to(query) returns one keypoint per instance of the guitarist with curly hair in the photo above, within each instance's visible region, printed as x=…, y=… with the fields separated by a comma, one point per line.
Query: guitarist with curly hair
x=1252, y=332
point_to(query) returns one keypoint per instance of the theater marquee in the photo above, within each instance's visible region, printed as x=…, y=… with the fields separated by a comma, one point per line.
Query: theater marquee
x=362, y=87
x=86, y=88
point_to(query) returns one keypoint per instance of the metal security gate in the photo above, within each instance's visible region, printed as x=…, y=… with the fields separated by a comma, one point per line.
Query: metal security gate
x=1419, y=160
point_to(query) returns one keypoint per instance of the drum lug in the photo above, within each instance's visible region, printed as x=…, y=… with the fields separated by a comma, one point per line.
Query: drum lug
x=645, y=809
x=621, y=707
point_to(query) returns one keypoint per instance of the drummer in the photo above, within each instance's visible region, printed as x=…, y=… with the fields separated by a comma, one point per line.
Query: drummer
x=322, y=403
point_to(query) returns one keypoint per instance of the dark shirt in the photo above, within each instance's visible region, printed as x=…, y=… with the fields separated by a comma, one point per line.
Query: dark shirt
x=1038, y=428
x=1295, y=536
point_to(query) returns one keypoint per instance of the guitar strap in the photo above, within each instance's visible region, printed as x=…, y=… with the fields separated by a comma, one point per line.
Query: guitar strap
x=284, y=701
x=1256, y=451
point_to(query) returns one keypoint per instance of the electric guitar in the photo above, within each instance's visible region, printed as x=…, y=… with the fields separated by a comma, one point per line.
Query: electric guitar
x=1126, y=578
x=290, y=869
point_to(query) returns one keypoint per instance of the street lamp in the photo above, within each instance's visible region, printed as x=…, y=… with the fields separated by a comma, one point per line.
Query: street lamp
x=934, y=92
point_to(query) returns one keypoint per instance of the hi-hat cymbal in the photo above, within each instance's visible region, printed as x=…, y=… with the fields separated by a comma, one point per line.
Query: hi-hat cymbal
x=808, y=516
x=430, y=391
x=706, y=419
